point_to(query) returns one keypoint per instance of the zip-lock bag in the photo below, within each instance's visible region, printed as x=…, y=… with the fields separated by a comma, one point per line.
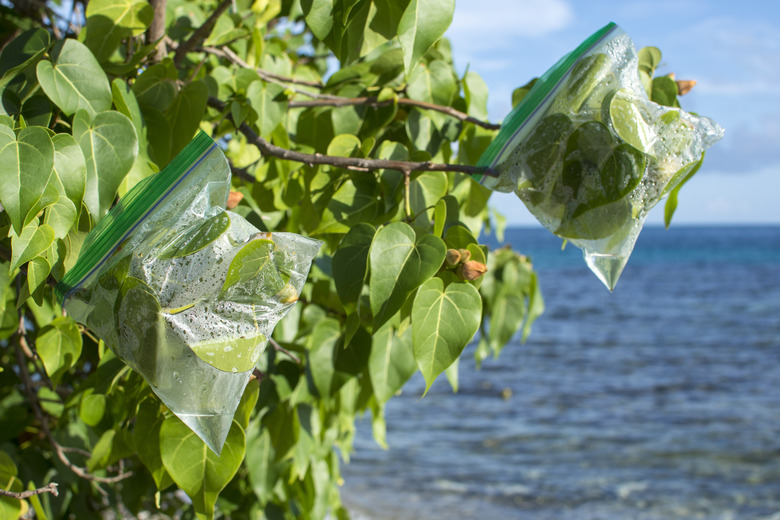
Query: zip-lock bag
x=589, y=154
x=184, y=291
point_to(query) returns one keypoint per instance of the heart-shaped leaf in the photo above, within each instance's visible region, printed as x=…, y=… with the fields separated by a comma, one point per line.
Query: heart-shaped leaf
x=110, y=146
x=399, y=265
x=391, y=362
x=28, y=165
x=350, y=262
x=197, y=470
x=73, y=79
x=33, y=241
x=443, y=322
x=21, y=52
x=59, y=346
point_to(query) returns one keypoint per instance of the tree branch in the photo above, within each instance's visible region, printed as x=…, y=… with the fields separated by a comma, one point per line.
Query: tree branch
x=283, y=350
x=27, y=386
x=156, y=30
x=200, y=34
x=348, y=163
x=338, y=101
x=374, y=102
x=51, y=488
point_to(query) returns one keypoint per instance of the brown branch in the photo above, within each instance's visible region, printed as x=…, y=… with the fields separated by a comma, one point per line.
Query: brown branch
x=156, y=30
x=348, y=163
x=200, y=34
x=374, y=102
x=51, y=488
x=338, y=101
x=27, y=386
x=283, y=350
x=228, y=54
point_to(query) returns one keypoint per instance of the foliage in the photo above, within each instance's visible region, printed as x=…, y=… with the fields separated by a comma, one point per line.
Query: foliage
x=400, y=284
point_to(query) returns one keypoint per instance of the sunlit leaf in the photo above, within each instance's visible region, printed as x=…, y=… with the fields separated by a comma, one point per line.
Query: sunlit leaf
x=73, y=79
x=423, y=22
x=399, y=265
x=443, y=322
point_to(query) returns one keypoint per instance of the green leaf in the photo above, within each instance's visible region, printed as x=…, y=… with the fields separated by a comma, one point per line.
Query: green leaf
x=318, y=15
x=92, y=408
x=59, y=346
x=110, y=146
x=22, y=52
x=73, y=80
x=193, y=239
x=356, y=200
x=443, y=322
x=344, y=145
x=260, y=463
x=113, y=445
x=322, y=344
x=109, y=21
x=685, y=173
x=250, y=261
x=422, y=24
x=38, y=270
x=391, y=362
x=196, y=469
x=10, y=507
x=425, y=191
x=156, y=86
x=70, y=167
x=399, y=265
x=148, y=423
x=28, y=166
x=185, y=114
x=665, y=91
x=270, y=103
x=33, y=241
x=350, y=262
x=434, y=82
x=476, y=92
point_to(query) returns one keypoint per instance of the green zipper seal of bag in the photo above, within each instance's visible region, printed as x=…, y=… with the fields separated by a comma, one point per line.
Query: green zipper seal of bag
x=131, y=211
x=536, y=100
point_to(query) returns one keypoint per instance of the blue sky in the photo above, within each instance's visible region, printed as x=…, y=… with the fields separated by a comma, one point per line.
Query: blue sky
x=732, y=49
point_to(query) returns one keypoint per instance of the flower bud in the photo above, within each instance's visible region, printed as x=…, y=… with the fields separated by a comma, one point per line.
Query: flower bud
x=452, y=257
x=471, y=270
x=465, y=255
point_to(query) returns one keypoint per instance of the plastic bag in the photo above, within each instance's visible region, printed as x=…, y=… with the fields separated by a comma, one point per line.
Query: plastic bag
x=184, y=291
x=589, y=154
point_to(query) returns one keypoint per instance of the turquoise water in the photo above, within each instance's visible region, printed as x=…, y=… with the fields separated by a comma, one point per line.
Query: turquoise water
x=659, y=401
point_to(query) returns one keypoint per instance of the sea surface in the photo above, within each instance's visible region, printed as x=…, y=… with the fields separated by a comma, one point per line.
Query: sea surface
x=659, y=401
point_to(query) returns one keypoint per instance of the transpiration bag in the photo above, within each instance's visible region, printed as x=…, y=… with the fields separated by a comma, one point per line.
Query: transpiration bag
x=589, y=154
x=186, y=292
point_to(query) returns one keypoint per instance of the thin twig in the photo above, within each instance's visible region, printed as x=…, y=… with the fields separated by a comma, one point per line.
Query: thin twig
x=60, y=450
x=225, y=52
x=348, y=163
x=200, y=34
x=407, y=195
x=51, y=488
x=319, y=99
x=375, y=102
x=283, y=350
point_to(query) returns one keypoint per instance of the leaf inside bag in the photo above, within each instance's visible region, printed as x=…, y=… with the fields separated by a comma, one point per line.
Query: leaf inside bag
x=189, y=242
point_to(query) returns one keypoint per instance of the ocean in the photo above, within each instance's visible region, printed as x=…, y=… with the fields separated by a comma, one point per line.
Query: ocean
x=659, y=401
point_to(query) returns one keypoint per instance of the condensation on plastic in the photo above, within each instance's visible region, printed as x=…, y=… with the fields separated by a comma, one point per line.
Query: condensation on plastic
x=671, y=141
x=171, y=318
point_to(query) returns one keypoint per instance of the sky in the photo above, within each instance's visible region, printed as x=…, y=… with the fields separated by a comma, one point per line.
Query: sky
x=732, y=49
